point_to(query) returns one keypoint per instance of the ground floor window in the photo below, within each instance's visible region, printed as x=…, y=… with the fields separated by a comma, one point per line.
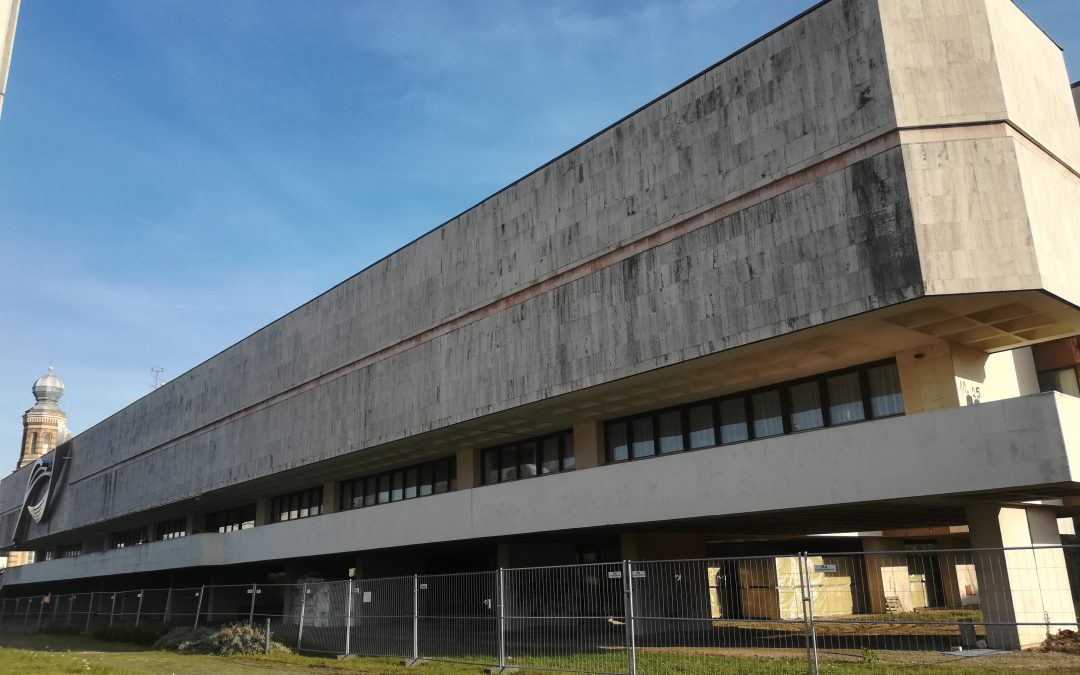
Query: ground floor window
x=832, y=399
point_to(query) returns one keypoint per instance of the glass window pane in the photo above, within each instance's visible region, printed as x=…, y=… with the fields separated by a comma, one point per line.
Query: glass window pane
x=767, y=418
x=384, y=488
x=845, y=399
x=427, y=482
x=569, y=460
x=616, y=442
x=410, y=483
x=442, y=476
x=371, y=491
x=671, y=439
x=701, y=427
x=550, y=460
x=805, y=406
x=527, y=459
x=398, y=486
x=643, y=444
x=885, y=398
x=733, y=427
x=509, y=463
x=1061, y=380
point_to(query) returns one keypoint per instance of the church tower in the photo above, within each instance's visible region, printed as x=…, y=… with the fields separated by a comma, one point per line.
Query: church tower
x=44, y=425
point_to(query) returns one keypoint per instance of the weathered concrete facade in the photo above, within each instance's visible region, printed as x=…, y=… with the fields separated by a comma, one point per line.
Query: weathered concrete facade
x=894, y=180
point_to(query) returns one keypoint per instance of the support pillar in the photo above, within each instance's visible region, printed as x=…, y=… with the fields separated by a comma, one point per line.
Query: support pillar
x=1024, y=588
x=330, y=496
x=588, y=444
x=468, y=469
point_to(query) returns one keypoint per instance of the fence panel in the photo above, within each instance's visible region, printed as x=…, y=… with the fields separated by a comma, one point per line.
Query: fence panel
x=322, y=629
x=281, y=604
x=383, y=618
x=690, y=613
x=566, y=618
x=458, y=617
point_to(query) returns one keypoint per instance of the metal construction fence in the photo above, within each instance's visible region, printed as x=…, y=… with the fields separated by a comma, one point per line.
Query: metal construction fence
x=631, y=617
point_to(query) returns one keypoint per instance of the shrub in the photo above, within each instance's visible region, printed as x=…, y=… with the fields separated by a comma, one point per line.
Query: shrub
x=140, y=635
x=234, y=638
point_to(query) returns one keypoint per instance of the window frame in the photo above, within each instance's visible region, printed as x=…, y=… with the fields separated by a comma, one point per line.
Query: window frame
x=492, y=457
x=747, y=397
x=363, y=491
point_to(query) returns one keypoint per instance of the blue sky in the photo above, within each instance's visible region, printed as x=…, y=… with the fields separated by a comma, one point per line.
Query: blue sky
x=176, y=174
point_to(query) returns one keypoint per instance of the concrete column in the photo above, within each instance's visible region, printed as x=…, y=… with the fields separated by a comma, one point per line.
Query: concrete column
x=883, y=570
x=468, y=469
x=945, y=375
x=330, y=496
x=502, y=555
x=1026, y=584
x=588, y=444
x=193, y=525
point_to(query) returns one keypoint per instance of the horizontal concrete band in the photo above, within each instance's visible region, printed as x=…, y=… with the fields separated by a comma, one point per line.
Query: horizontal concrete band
x=1003, y=445
x=663, y=233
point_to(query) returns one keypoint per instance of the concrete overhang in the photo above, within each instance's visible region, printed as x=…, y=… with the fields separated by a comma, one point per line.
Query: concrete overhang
x=919, y=469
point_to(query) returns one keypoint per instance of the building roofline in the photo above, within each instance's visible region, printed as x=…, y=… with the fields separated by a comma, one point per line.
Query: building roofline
x=446, y=222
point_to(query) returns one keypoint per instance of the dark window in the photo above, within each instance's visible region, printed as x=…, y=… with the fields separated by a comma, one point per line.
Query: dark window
x=132, y=537
x=408, y=483
x=171, y=529
x=805, y=401
x=617, y=448
x=839, y=397
x=231, y=520
x=702, y=433
x=1061, y=380
x=528, y=458
x=69, y=551
x=845, y=399
x=733, y=427
x=671, y=431
x=642, y=442
x=768, y=420
x=296, y=505
x=885, y=398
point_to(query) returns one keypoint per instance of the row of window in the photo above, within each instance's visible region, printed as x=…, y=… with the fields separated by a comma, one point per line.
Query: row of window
x=131, y=537
x=421, y=480
x=302, y=504
x=841, y=397
x=231, y=520
x=527, y=459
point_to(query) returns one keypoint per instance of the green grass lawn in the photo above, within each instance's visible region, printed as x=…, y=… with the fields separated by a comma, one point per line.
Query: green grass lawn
x=80, y=654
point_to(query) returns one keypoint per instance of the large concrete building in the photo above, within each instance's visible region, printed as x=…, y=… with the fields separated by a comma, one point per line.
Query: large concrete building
x=805, y=292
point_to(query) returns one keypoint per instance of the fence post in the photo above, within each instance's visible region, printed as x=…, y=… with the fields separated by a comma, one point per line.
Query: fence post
x=71, y=608
x=266, y=645
x=251, y=612
x=810, y=604
x=805, y=612
x=303, y=608
x=40, y=609
x=198, y=606
x=502, y=620
x=3, y=609
x=89, y=612
x=416, y=617
x=168, y=606
x=348, y=614
x=138, y=608
x=112, y=609
x=628, y=611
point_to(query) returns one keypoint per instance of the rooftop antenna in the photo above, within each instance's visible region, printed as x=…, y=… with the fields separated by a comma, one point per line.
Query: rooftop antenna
x=157, y=377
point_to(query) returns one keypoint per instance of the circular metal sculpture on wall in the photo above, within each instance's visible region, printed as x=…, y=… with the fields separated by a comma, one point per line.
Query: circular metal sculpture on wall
x=36, y=499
